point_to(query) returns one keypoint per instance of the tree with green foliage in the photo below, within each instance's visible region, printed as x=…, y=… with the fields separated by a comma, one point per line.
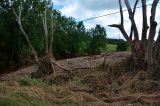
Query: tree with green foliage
x=99, y=39
x=122, y=46
x=13, y=47
x=70, y=37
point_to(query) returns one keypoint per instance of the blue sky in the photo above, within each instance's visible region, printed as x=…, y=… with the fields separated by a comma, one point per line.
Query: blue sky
x=80, y=10
x=58, y=7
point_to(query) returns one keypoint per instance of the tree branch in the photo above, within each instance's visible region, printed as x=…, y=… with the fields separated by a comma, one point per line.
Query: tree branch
x=121, y=13
x=18, y=16
x=44, y=20
x=153, y=23
x=145, y=25
x=135, y=6
x=115, y=25
x=152, y=32
x=134, y=10
x=121, y=27
x=131, y=17
x=52, y=33
x=153, y=10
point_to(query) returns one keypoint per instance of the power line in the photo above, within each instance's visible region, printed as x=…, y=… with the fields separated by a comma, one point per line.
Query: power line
x=92, y=18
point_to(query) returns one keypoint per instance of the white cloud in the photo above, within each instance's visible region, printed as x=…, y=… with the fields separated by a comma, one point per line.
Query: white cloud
x=80, y=10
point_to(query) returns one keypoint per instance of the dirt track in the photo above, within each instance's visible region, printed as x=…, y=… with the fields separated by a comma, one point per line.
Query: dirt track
x=79, y=62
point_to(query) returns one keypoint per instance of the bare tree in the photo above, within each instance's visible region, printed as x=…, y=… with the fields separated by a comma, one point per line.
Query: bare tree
x=146, y=52
x=18, y=16
x=48, y=63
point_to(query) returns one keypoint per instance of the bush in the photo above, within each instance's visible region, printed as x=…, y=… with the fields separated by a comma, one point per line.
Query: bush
x=28, y=81
x=122, y=46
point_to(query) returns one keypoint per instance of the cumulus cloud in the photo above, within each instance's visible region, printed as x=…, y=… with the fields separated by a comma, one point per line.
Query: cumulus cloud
x=98, y=5
x=81, y=10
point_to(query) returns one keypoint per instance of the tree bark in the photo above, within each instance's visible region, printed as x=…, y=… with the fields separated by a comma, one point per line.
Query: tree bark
x=152, y=32
x=145, y=24
x=156, y=52
x=44, y=20
x=131, y=17
x=52, y=35
x=142, y=50
x=25, y=34
x=134, y=10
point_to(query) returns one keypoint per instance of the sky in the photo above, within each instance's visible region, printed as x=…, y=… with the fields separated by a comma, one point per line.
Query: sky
x=84, y=9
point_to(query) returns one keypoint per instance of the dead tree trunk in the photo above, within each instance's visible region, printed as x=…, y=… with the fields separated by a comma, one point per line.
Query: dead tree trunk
x=145, y=51
x=18, y=16
x=47, y=64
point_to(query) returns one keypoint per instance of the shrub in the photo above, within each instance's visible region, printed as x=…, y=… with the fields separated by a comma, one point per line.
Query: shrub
x=122, y=46
x=28, y=81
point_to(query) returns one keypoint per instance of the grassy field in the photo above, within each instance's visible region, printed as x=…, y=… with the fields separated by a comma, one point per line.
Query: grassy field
x=111, y=47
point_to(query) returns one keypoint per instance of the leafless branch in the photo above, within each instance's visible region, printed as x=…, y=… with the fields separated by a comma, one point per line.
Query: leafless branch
x=153, y=23
x=55, y=63
x=131, y=17
x=121, y=27
x=134, y=10
x=145, y=25
x=121, y=13
x=18, y=16
x=115, y=25
x=44, y=20
x=135, y=6
x=153, y=10
x=52, y=33
x=152, y=32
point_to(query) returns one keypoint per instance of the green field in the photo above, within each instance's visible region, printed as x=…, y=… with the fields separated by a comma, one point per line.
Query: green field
x=111, y=47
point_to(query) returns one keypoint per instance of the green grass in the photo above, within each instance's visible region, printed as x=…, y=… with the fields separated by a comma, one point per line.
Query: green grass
x=111, y=47
x=9, y=101
x=27, y=91
x=28, y=81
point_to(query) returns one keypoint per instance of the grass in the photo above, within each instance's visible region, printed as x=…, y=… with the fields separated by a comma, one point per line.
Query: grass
x=139, y=104
x=111, y=47
x=9, y=101
x=28, y=81
x=34, y=92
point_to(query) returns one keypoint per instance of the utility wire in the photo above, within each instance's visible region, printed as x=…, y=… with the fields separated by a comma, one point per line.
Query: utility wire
x=92, y=18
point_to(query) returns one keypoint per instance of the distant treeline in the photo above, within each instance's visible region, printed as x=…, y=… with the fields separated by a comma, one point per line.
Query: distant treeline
x=114, y=41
